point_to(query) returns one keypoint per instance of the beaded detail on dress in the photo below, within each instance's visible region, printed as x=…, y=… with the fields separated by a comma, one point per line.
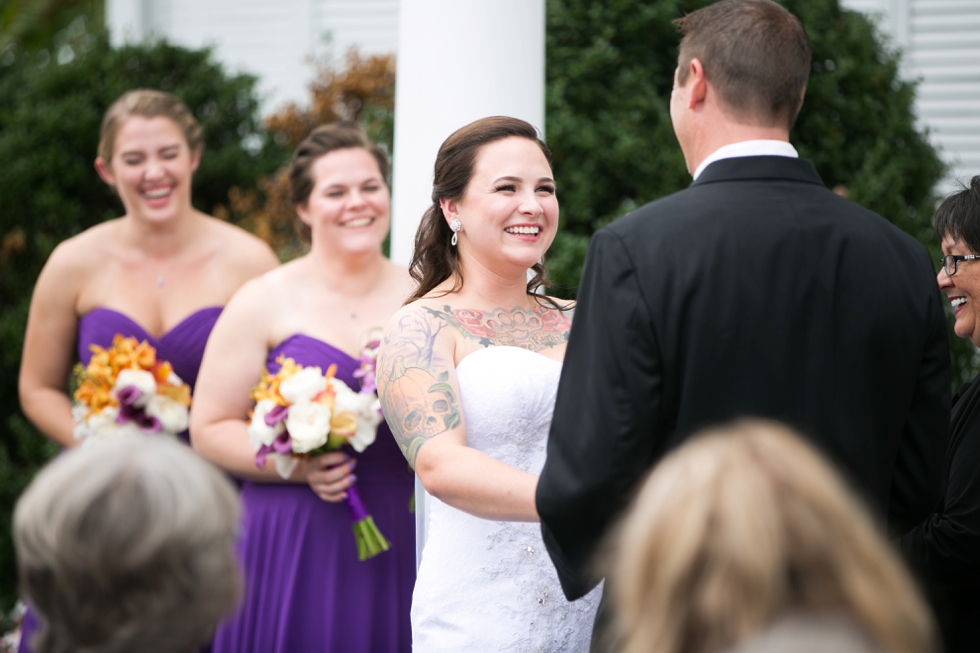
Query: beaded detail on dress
x=488, y=585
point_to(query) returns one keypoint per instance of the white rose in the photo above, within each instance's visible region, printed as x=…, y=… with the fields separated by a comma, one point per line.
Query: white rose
x=101, y=426
x=174, y=380
x=365, y=408
x=305, y=384
x=139, y=379
x=172, y=415
x=339, y=386
x=259, y=432
x=78, y=412
x=308, y=424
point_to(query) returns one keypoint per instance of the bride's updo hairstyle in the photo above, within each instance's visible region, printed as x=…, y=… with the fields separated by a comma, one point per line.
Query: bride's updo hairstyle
x=147, y=103
x=435, y=258
x=322, y=141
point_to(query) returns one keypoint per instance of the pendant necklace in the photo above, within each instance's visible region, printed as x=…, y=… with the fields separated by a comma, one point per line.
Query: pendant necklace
x=164, y=271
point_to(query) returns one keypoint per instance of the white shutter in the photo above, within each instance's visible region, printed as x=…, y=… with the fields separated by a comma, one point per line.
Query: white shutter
x=944, y=52
x=940, y=40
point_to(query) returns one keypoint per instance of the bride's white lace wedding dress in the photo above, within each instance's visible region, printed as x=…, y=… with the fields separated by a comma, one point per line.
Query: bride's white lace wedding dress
x=488, y=585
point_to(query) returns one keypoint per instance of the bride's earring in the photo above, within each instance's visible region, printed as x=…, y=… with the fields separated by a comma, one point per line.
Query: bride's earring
x=455, y=225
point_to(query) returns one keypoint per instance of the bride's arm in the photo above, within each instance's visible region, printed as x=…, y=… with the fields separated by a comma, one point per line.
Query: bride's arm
x=420, y=397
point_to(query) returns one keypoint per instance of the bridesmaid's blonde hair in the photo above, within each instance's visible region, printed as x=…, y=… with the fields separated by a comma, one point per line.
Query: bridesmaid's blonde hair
x=741, y=525
x=147, y=103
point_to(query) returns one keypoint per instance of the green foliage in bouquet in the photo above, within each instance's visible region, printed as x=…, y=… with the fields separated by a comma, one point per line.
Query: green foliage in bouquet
x=50, y=112
x=609, y=75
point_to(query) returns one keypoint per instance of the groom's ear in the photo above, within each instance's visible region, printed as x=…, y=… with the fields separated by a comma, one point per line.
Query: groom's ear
x=698, y=83
x=449, y=209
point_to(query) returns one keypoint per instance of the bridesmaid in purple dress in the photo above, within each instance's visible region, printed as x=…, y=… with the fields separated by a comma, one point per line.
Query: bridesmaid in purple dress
x=161, y=272
x=305, y=588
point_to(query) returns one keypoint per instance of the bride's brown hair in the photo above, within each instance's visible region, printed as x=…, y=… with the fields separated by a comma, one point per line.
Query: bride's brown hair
x=435, y=258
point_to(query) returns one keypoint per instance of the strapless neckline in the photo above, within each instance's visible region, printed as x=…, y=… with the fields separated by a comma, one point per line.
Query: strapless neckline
x=499, y=348
x=207, y=310
x=318, y=341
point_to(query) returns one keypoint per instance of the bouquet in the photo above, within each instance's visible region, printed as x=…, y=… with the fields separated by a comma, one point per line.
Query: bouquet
x=304, y=411
x=125, y=390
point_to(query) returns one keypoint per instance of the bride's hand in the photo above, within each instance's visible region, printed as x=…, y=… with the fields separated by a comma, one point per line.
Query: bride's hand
x=330, y=475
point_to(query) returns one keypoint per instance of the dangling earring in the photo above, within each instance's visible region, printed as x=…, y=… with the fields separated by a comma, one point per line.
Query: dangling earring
x=455, y=225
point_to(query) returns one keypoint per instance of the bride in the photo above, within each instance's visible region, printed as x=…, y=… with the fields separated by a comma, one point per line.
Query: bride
x=468, y=372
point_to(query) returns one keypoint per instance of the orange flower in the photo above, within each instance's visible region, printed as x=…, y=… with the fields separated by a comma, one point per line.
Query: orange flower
x=96, y=380
x=95, y=393
x=268, y=388
x=181, y=394
x=161, y=372
x=127, y=353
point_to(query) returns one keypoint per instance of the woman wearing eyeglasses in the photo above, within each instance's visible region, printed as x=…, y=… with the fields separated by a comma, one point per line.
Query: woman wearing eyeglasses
x=945, y=549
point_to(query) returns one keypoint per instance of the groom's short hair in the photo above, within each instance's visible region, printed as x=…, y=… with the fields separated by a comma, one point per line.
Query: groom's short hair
x=755, y=54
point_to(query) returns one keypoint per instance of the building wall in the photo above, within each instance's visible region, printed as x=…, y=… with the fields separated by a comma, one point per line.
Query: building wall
x=940, y=40
x=277, y=41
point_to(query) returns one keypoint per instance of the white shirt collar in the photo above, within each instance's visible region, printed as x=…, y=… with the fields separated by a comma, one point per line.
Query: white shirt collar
x=748, y=148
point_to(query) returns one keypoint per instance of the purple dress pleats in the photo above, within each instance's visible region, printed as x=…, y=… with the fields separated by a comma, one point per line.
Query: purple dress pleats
x=305, y=589
x=182, y=347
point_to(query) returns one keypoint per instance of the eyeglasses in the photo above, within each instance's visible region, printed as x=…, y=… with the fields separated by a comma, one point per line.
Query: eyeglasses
x=949, y=262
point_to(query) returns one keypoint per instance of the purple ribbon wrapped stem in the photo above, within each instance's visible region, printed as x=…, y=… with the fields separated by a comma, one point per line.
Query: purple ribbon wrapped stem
x=370, y=541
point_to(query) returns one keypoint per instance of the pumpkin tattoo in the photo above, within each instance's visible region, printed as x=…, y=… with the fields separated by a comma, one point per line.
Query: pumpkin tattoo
x=421, y=406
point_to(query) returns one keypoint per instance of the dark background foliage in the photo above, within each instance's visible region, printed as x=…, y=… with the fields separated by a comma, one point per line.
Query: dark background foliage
x=50, y=113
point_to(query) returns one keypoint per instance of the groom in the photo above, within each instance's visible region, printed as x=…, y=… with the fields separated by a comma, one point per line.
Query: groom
x=755, y=291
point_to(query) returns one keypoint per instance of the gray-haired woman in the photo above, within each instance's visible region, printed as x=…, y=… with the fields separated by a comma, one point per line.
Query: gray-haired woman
x=127, y=545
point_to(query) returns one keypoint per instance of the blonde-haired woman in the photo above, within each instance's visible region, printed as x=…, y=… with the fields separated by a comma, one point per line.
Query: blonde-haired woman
x=161, y=273
x=745, y=539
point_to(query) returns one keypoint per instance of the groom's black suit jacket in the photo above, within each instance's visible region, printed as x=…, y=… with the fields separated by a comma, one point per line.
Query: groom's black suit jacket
x=754, y=292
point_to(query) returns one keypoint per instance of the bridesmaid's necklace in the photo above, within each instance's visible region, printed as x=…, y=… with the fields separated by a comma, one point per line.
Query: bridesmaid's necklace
x=165, y=270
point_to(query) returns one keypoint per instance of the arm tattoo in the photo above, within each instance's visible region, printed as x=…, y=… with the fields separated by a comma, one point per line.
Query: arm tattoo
x=416, y=398
x=418, y=405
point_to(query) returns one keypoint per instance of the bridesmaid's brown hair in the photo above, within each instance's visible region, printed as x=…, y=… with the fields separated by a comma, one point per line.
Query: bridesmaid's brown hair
x=322, y=141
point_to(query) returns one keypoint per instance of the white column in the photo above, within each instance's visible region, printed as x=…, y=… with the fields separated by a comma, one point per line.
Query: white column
x=457, y=61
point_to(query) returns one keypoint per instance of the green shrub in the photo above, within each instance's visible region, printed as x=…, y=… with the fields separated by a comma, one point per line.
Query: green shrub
x=49, y=127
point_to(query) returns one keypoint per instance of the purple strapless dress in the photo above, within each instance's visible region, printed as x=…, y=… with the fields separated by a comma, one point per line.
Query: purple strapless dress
x=305, y=589
x=182, y=346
